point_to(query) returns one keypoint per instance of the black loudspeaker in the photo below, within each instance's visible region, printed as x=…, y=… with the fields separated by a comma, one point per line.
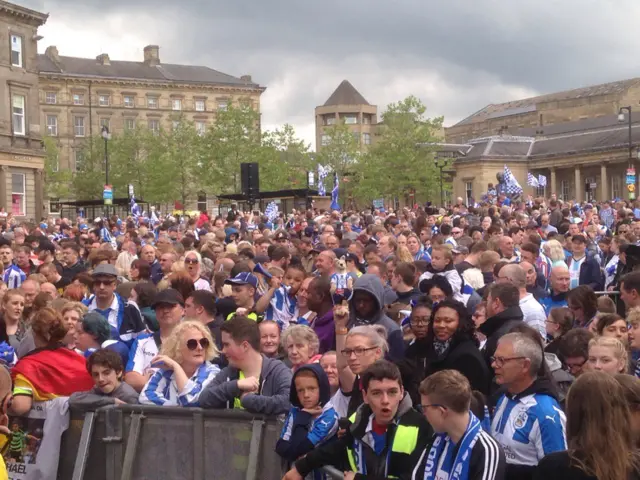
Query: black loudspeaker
x=250, y=179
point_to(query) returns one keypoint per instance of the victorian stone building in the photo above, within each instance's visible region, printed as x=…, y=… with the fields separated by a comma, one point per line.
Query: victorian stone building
x=21, y=152
x=574, y=138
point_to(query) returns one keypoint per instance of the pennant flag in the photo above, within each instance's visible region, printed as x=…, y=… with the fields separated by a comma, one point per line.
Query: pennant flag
x=335, y=205
x=542, y=180
x=271, y=211
x=511, y=184
x=532, y=181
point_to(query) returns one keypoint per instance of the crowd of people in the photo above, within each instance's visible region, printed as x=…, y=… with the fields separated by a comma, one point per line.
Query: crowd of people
x=499, y=341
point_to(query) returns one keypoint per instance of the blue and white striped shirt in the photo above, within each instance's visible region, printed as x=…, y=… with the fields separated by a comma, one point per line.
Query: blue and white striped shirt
x=13, y=276
x=283, y=308
x=161, y=389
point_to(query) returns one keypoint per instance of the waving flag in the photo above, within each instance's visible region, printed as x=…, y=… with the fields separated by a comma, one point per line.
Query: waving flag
x=322, y=174
x=271, y=211
x=135, y=209
x=335, y=205
x=542, y=180
x=511, y=184
x=532, y=181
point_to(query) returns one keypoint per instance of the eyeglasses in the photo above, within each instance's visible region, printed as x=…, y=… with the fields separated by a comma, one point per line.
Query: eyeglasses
x=424, y=406
x=500, y=361
x=359, y=351
x=106, y=283
x=191, y=261
x=419, y=321
x=572, y=367
x=192, y=343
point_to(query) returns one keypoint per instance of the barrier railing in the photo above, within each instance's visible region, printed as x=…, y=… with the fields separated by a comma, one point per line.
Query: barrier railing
x=134, y=442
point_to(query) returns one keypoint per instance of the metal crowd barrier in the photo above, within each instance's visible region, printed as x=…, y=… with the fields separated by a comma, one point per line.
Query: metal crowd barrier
x=135, y=442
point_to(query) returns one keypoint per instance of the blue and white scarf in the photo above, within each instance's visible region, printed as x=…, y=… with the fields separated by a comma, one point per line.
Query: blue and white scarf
x=115, y=317
x=458, y=467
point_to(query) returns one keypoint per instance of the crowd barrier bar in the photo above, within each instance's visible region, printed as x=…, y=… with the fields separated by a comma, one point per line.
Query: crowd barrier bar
x=608, y=293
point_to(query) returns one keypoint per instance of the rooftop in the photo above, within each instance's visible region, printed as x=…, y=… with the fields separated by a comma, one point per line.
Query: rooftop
x=527, y=105
x=345, y=94
x=27, y=14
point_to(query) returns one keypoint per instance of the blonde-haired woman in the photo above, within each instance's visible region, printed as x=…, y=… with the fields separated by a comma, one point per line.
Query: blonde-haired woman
x=553, y=249
x=193, y=266
x=607, y=354
x=184, y=367
x=72, y=314
x=302, y=345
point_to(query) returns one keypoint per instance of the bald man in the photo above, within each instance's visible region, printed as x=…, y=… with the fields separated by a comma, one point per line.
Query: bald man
x=532, y=312
x=325, y=263
x=560, y=282
x=533, y=286
x=148, y=254
x=49, y=288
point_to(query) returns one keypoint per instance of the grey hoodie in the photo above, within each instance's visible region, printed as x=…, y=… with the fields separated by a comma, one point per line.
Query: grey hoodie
x=373, y=286
x=94, y=398
x=273, y=399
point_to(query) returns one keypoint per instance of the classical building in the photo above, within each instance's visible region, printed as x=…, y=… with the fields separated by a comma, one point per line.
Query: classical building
x=575, y=139
x=79, y=96
x=348, y=105
x=21, y=152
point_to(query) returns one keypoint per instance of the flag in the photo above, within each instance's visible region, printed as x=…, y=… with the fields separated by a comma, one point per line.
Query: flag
x=271, y=211
x=512, y=186
x=335, y=205
x=542, y=180
x=322, y=174
x=135, y=209
x=532, y=181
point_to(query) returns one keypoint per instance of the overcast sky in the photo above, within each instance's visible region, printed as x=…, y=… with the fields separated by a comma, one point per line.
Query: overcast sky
x=455, y=55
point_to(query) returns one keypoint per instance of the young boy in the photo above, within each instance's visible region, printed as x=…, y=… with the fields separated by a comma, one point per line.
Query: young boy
x=312, y=419
x=105, y=367
x=280, y=301
x=442, y=264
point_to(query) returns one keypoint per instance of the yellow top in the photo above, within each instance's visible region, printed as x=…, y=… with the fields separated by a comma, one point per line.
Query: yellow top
x=237, y=403
x=22, y=386
x=3, y=470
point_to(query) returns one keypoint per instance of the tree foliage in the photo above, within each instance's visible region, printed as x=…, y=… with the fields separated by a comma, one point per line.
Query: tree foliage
x=57, y=182
x=284, y=161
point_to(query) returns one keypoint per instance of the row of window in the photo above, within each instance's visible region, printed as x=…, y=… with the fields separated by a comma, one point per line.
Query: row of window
x=129, y=101
x=366, y=139
x=349, y=119
x=79, y=129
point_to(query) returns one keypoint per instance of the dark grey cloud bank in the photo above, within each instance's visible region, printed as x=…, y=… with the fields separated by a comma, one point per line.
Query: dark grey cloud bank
x=457, y=55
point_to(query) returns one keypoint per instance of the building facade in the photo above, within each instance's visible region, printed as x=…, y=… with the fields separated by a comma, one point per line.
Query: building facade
x=21, y=151
x=80, y=96
x=346, y=105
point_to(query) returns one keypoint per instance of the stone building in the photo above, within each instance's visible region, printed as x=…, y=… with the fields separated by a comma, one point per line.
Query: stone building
x=574, y=138
x=348, y=105
x=21, y=152
x=78, y=96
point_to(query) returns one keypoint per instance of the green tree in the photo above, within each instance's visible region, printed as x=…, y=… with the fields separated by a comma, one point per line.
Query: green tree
x=89, y=177
x=284, y=160
x=57, y=182
x=341, y=150
x=401, y=159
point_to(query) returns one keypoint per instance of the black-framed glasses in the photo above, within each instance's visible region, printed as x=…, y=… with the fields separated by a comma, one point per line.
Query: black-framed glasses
x=191, y=261
x=359, y=351
x=104, y=282
x=418, y=321
x=500, y=361
x=192, y=343
x=572, y=367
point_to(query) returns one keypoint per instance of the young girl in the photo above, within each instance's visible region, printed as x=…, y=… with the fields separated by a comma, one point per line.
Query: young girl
x=442, y=264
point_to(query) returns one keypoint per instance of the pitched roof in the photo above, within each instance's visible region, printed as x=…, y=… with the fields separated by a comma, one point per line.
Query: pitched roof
x=527, y=105
x=345, y=94
x=118, y=69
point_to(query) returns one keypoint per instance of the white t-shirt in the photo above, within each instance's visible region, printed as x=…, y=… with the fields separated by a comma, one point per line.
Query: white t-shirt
x=143, y=350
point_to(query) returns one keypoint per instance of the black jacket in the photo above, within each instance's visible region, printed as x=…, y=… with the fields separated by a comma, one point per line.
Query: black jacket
x=497, y=326
x=590, y=273
x=396, y=464
x=69, y=272
x=558, y=466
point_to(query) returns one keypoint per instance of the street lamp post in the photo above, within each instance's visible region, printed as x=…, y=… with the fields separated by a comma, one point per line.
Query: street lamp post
x=440, y=164
x=621, y=118
x=106, y=136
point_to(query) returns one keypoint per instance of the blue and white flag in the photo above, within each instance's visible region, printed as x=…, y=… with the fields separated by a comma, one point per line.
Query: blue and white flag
x=271, y=212
x=135, y=209
x=335, y=204
x=511, y=184
x=532, y=181
x=322, y=174
x=542, y=180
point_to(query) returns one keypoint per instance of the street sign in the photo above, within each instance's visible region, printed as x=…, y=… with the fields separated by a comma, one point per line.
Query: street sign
x=107, y=195
x=593, y=185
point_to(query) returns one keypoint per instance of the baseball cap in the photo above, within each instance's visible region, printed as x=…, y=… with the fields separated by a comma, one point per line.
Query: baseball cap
x=352, y=257
x=243, y=278
x=281, y=235
x=169, y=296
x=105, y=269
x=308, y=231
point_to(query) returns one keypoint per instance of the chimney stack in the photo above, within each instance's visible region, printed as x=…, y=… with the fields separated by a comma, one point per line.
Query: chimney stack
x=152, y=55
x=103, y=59
x=52, y=54
x=246, y=78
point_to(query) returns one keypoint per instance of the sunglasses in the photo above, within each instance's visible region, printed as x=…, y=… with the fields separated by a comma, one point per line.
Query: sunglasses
x=104, y=282
x=193, y=343
x=191, y=261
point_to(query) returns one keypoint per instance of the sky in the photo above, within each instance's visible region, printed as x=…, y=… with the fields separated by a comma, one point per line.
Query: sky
x=457, y=56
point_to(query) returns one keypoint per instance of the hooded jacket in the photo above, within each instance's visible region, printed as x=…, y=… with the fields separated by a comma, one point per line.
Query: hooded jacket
x=389, y=464
x=552, y=301
x=273, y=399
x=497, y=326
x=302, y=432
x=372, y=285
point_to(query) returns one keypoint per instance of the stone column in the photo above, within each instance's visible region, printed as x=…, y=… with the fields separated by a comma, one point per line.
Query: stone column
x=39, y=194
x=604, y=182
x=552, y=184
x=3, y=188
x=579, y=192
